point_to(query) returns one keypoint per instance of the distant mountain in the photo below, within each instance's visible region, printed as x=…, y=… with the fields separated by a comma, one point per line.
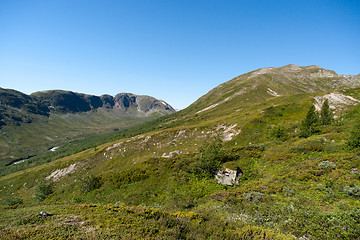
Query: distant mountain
x=67, y=101
x=31, y=124
x=17, y=107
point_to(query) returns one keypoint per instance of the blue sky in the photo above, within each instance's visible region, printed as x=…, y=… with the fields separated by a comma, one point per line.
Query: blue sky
x=175, y=50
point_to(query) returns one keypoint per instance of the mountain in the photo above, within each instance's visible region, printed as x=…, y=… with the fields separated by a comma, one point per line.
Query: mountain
x=70, y=102
x=16, y=107
x=33, y=124
x=271, y=82
x=170, y=178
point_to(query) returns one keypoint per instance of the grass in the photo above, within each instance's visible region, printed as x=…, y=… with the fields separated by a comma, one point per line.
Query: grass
x=290, y=187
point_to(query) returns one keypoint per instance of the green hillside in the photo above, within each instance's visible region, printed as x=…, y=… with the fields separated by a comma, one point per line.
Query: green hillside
x=32, y=125
x=298, y=175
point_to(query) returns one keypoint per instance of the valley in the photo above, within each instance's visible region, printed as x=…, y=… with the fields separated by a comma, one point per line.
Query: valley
x=157, y=180
x=66, y=118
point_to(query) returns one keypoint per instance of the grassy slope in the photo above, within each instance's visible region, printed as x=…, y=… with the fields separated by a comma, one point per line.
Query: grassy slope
x=44, y=133
x=283, y=192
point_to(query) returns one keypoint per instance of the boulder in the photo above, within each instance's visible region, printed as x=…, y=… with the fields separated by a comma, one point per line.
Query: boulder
x=43, y=214
x=172, y=154
x=228, y=177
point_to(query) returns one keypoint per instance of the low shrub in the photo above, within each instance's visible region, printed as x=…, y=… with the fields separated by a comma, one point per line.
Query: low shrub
x=253, y=196
x=288, y=191
x=11, y=201
x=278, y=132
x=352, y=190
x=211, y=157
x=91, y=182
x=327, y=164
x=258, y=233
x=43, y=190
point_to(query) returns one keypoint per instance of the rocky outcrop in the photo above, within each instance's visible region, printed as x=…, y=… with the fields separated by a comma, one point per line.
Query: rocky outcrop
x=71, y=102
x=228, y=177
x=17, y=108
x=337, y=101
x=172, y=154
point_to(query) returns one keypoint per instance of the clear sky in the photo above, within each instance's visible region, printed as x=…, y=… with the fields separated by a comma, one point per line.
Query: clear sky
x=174, y=50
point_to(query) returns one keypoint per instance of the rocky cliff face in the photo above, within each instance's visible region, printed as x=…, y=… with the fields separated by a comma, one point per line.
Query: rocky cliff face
x=66, y=101
x=17, y=107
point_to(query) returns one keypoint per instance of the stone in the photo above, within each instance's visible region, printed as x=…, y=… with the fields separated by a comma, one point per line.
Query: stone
x=172, y=154
x=43, y=214
x=228, y=177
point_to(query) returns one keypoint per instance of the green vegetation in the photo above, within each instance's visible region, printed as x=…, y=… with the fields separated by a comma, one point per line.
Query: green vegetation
x=43, y=190
x=310, y=123
x=326, y=116
x=156, y=180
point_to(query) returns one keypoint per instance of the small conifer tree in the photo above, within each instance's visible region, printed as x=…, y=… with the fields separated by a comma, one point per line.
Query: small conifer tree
x=326, y=116
x=310, y=122
x=354, y=140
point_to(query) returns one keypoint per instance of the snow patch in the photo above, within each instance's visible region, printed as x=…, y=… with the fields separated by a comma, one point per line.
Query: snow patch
x=53, y=149
x=19, y=161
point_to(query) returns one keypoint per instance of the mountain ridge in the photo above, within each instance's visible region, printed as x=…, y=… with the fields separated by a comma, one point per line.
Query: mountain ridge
x=32, y=124
x=265, y=83
x=160, y=182
x=14, y=105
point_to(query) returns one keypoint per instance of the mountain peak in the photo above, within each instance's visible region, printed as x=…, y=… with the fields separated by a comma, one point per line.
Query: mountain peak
x=270, y=82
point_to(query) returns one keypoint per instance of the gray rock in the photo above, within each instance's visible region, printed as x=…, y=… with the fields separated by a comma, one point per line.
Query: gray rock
x=228, y=177
x=44, y=214
x=172, y=154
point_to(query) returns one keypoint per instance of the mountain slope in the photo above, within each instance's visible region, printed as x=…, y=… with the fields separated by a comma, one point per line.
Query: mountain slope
x=161, y=184
x=31, y=125
x=69, y=102
x=266, y=83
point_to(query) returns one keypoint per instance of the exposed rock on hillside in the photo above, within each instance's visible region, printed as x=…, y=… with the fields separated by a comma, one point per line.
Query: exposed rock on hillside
x=337, y=101
x=17, y=108
x=228, y=177
x=171, y=154
x=59, y=173
x=66, y=101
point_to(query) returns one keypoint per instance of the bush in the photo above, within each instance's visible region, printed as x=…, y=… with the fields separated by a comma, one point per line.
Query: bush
x=117, y=178
x=288, y=191
x=258, y=233
x=212, y=156
x=352, y=190
x=253, y=196
x=43, y=190
x=278, y=132
x=11, y=201
x=354, y=139
x=327, y=164
x=90, y=183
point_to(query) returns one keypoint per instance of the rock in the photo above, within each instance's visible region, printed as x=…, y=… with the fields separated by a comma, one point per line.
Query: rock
x=172, y=154
x=228, y=177
x=44, y=214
